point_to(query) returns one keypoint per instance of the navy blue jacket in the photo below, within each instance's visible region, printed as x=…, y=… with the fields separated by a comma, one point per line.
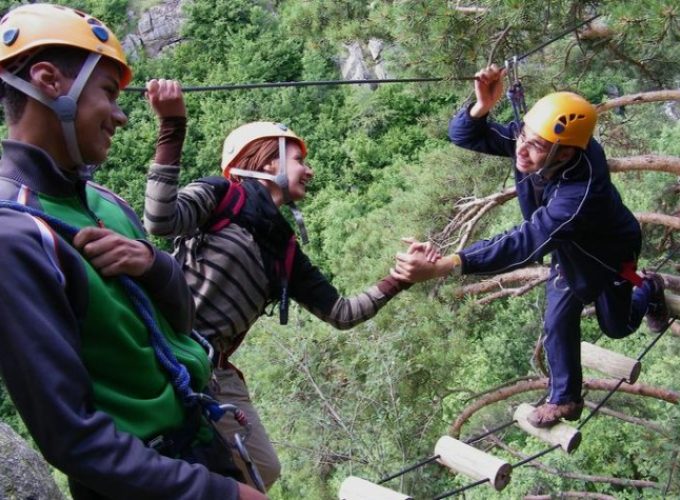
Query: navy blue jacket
x=579, y=216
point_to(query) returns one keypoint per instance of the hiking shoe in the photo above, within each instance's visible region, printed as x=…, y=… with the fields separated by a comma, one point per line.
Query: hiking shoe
x=657, y=311
x=548, y=414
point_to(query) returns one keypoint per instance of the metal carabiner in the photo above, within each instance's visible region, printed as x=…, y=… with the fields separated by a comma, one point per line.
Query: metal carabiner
x=239, y=444
x=515, y=91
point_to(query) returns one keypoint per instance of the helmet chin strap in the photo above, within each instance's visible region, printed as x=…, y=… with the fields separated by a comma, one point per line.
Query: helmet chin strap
x=281, y=180
x=549, y=166
x=65, y=106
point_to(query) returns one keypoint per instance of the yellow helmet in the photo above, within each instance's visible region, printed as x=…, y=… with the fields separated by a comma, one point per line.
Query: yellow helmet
x=563, y=118
x=30, y=27
x=239, y=138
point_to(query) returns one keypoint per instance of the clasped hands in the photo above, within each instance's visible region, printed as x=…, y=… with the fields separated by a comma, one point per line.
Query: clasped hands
x=421, y=262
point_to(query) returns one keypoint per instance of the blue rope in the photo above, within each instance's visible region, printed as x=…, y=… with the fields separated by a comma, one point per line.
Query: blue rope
x=177, y=372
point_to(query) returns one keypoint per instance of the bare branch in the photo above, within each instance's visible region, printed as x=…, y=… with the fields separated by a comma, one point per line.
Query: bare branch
x=614, y=49
x=630, y=483
x=499, y=40
x=471, y=9
x=640, y=98
x=329, y=407
x=512, y=292
x=658, y=219
x=571, y=494
x=654, y=163
x=647, y=424
x=500, y=281
x=542, y=384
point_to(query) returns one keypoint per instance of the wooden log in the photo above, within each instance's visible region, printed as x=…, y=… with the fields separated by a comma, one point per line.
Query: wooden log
x=474, y=463
x=562, y=434
x=355, y=488
x=610, y=363
x=673, y=304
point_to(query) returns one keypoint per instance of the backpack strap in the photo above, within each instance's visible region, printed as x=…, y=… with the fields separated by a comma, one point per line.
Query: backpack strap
x=231, y=196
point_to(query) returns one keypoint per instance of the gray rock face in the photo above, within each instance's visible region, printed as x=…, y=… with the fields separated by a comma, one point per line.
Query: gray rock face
x=24, y=474
x=158, y=28
x=672, y=110
x=364, y=62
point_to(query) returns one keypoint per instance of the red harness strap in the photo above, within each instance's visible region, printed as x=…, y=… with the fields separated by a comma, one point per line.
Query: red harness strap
x=628, y=272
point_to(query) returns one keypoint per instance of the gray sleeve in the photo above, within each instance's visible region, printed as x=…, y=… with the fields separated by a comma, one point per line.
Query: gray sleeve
x=170, y=211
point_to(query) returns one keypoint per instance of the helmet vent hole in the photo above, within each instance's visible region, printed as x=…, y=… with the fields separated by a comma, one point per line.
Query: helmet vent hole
x=81, y=14
x=10, y=36
x=572, y=117
x=580, y=117
x=101, y=33
x=94, y=21
x=563, y=119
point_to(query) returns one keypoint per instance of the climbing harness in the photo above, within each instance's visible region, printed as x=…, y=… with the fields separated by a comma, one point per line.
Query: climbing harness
x=177, y=372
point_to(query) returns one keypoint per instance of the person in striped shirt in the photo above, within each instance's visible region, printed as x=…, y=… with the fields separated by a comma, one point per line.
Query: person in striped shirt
x=237, y=269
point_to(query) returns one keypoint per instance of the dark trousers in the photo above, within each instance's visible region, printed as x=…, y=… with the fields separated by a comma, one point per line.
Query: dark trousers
x=620, y=309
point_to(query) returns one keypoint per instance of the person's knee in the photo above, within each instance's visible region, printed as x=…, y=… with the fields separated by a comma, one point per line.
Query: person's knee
x=614, y=328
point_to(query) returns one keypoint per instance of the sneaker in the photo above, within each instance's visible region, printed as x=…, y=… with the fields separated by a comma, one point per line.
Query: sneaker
x=657, y=311
x=548, y=414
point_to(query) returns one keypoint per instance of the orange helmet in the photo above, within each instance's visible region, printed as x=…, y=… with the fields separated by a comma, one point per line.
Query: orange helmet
x=31, y=27
x=239, y=138
x=563, y=118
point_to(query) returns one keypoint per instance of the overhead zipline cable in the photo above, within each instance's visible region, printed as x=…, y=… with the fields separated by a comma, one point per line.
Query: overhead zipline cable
x=320, y=83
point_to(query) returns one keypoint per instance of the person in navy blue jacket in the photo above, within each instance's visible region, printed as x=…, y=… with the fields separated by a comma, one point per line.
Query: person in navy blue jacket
x=571, y=211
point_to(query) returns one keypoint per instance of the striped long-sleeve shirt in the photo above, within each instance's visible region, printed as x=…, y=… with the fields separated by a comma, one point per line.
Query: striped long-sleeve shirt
x=227, y=273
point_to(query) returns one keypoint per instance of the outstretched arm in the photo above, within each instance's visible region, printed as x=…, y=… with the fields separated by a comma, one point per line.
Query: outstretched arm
x=316, y=293
x=169, y=211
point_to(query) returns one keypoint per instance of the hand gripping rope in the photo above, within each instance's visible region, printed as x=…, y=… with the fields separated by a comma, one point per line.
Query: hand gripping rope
x=177, y=372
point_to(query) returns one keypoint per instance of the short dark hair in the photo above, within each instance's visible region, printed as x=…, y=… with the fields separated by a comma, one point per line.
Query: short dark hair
x=69, y=60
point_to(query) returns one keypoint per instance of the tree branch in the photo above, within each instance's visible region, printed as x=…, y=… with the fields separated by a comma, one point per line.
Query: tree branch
x=500, y=281
x=629, y=483
x=658, y=219
x=640, y=98
x=647, y=424
x=542, y=384
x=331, y=410
x=571, y=494
x=648, y=163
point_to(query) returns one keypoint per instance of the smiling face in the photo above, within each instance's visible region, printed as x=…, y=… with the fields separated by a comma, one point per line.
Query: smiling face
x=299, y=174
x=98, y=113
x=531, y=151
